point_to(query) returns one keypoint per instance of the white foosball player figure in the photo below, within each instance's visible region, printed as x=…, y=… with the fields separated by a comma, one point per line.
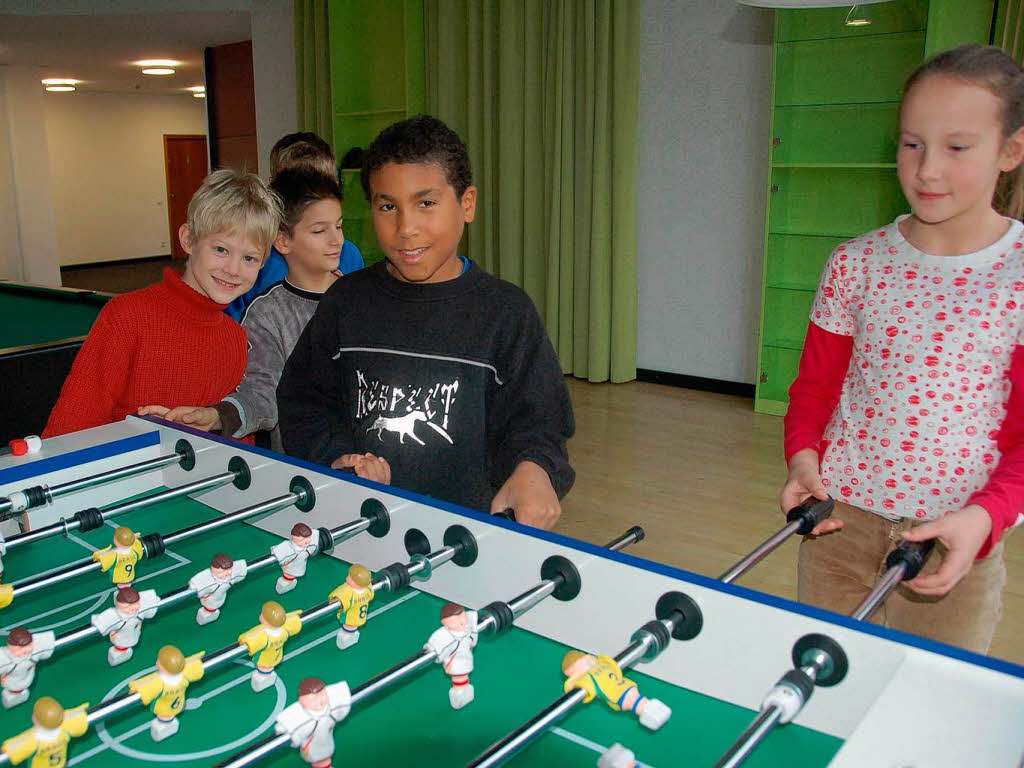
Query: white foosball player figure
x=123, y=623
x=617, y=756
x=292, y=555
x=18, y=661
x=211, y=585
x=310, y=721
x=453, y=643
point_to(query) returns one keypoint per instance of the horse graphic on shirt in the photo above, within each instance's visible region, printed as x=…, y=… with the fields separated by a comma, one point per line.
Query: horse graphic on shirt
x=404, y=426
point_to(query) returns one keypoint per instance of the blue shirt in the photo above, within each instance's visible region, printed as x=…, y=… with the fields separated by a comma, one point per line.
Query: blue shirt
x=276, y=270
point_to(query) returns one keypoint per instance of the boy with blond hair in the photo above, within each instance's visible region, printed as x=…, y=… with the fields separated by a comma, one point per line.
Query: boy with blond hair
x=171, y=342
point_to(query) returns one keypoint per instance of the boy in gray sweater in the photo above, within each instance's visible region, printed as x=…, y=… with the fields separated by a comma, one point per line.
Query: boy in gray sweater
x=310, y=240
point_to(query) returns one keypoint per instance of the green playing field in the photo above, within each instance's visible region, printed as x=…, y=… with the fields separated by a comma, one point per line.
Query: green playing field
x=516, y=674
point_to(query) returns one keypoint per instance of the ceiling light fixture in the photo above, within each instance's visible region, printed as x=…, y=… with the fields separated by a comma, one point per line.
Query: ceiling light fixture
x=157, y=63
x=60, y=88
x=158, y=71
x=59, y=81
x=197, y=88
x=198, y=95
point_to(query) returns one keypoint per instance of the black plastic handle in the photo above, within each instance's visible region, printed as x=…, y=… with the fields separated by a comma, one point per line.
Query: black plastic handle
x=912, y=555
x=811, y=512
x=508, y=514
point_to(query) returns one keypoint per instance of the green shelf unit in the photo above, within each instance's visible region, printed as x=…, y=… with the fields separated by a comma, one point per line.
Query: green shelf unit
x=835, y=135
x=835, y=128
x=871, y=68
x=886, y=18
x=378, y=76
x=833, y=201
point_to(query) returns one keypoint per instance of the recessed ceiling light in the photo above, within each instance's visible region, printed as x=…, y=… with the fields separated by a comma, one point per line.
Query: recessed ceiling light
x=158, y=71
x=157, y=63
x=199, y=95
x=197, y=88
x=60, y=88
x=59, y=81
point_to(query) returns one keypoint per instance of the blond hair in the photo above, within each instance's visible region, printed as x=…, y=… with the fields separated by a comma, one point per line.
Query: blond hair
x=230, y=200
x=994, y=70
x=303, y=151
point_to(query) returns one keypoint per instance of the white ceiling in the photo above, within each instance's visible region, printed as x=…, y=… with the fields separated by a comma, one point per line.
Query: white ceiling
x=100, y=49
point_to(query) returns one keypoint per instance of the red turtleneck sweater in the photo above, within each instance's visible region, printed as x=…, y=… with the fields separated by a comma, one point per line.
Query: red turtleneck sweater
x=164, y=345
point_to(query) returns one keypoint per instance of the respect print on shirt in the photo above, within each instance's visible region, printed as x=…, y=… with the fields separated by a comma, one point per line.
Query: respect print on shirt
x=397, y=409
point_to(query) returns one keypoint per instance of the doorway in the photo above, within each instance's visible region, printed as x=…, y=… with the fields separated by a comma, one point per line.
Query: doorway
x=186, y=166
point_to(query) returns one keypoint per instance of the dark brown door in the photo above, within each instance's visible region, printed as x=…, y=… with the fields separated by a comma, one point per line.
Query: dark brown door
x=231, y=107
x=185, y=160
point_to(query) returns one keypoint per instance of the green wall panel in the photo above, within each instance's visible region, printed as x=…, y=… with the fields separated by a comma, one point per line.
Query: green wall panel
x=843, y=133
x=954, y=22
x=817, y=24
x=847, y=71
x=785, y=317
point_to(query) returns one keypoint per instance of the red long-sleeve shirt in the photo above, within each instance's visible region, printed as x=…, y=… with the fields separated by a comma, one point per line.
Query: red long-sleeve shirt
x=163, y=345
x=815, y=393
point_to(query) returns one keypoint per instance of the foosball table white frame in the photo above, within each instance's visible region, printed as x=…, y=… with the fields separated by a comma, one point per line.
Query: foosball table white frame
x=905, y=701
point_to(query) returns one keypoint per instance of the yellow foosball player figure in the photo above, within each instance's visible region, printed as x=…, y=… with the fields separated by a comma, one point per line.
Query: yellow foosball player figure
x=602, y=676
x=355, y=597
x=122, y=556
x=167, y=687
x=46, y=742
x=265, y=642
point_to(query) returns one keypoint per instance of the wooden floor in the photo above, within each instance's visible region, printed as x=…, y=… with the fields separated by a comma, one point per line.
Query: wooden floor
x=700, y=472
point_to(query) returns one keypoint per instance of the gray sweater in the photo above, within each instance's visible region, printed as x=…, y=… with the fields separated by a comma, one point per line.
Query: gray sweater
x=273, y=323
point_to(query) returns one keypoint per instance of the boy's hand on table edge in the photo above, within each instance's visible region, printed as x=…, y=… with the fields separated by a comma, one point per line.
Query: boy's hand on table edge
x=366, y=466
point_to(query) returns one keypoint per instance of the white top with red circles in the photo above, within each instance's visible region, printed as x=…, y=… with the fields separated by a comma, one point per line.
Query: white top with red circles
x=923, y=400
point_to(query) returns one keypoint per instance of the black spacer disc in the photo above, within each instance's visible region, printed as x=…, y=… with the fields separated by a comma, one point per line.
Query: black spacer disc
x=299, y=483
x=416, y=542
x=380, y=518
x=463, y=542
x=808, y=645
x=798, y=680
x=503, y=616
x=560, y=569
x=660, y=633
x=243, y=477
x=153, y=545
x=89, y=519
x=638, y=533
x=397, y=575
x=692, y=621
x=187, y=453
x=326, y=541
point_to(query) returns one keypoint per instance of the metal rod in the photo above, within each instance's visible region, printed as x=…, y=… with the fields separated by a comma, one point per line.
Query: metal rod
x=750, y=738
x=271, y=505
x=518, y=605
x=763, y=550
x=112, y=707
x=503, y=750
x=63, y=526
x=882, y=590
x=62, y=489
x=84, y=566
x=256, y=752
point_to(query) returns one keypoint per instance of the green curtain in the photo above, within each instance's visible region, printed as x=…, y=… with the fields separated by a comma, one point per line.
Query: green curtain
x=544, y=92
x=313, y=68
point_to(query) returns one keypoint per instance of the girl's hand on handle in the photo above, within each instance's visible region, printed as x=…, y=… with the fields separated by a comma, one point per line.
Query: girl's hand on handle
x=962, y=534
x=805, y=481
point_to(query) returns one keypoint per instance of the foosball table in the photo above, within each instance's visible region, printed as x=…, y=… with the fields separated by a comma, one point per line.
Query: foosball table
x=180, y=598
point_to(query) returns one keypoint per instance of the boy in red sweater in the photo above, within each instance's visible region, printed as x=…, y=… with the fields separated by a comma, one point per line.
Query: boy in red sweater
x=171, y=342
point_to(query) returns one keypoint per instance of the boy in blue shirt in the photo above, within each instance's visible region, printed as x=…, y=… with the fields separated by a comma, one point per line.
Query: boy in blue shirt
x=304, y=150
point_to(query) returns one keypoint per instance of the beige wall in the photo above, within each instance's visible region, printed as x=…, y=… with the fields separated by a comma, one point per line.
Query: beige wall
x=107, y=166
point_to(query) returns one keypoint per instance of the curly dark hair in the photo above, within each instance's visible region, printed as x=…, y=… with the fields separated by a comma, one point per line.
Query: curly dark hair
x=424, y=140
x=300, y=188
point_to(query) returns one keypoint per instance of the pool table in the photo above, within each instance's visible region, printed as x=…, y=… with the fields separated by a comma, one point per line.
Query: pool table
x=41, y=331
